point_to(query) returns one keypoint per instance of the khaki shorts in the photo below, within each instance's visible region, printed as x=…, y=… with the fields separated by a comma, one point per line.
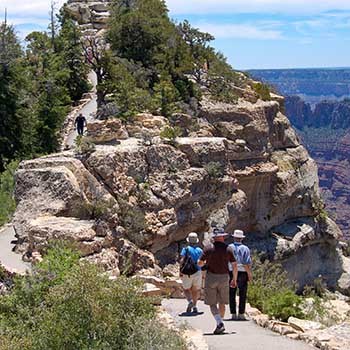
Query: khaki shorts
x=194, y=280
x=216, y=289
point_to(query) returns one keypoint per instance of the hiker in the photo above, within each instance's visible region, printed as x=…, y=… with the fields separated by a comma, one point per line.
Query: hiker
x=244, y=263
x=190, y=272
x=216, y=257
x=80, y=122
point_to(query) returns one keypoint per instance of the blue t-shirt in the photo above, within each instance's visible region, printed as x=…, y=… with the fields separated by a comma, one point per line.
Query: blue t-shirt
x=242, y=255
x=195, y=253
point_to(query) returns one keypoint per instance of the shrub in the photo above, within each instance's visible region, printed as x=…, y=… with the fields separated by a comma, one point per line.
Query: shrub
x=263, y=91
x=272, y=292
x=319, y=208
x=284, y=304
x=95, y=209
x=133, y=219
x=148, y=336
x=7, y=201
x=84, y=146
x=214, y=170
x=81, y=309
x=171, y=133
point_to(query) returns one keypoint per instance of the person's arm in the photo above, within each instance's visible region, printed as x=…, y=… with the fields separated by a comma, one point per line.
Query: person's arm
x=234, y=265
x=247, y=264
x=182, y=259
x=203, y=259
x=248, y=269
x=235, y=274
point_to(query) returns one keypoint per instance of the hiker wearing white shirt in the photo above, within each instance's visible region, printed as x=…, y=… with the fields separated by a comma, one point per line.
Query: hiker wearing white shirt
x=244, y=261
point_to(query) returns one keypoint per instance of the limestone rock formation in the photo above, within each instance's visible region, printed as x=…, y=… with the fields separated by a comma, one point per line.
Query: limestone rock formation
x=130, y=205
x=92, y=15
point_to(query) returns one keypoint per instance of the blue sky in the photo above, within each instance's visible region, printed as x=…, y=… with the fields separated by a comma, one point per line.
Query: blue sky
x=251, y=33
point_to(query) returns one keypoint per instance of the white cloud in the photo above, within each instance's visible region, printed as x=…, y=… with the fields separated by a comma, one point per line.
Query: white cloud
x=24, y=11
x=240, y=31
x=255, y=6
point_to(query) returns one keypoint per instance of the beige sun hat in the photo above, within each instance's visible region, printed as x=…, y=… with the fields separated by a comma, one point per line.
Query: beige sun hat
x=192, y=238
x=238, y=234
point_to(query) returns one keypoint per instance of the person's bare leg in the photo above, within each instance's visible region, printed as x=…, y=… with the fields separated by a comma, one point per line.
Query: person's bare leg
x=188, y=294
x=222, y=308
x=195, y=295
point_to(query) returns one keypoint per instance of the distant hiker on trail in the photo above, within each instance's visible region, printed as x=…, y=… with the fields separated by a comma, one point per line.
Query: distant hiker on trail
x=244, y=262
x=80, y=123
x=190, y=272
x=217, y=257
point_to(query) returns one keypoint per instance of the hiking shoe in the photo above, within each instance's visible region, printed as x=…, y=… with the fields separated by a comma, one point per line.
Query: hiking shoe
x=234, y=317
x=242, y=317
x=195, y=310
x=189, y=307
x=219, y=329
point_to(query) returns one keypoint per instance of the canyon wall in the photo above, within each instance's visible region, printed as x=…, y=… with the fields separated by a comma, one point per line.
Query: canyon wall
x=325, y=131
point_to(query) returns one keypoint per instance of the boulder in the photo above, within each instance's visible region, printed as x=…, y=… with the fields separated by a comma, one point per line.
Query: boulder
x=304, y=325
x=344, y=281
x=47, y=229
x=106, y=131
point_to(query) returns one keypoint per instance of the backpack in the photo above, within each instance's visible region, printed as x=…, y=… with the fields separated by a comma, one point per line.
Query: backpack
x=188, y=267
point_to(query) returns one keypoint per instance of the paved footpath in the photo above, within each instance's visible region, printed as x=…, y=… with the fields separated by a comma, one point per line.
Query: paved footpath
x=240, y=335
x=8, y=258
x=88, y=111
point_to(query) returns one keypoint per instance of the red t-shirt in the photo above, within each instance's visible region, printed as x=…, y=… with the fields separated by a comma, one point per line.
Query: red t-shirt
x=217, y=257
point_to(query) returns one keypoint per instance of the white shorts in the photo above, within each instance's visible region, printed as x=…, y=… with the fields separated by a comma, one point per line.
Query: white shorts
x=194, y=280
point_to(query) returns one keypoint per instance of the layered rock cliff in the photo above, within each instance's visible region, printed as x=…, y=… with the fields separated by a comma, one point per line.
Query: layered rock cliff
x=325, y=133
x=129, y=206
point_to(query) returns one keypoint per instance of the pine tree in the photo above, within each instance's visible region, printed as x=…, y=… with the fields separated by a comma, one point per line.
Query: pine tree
x=12, y=123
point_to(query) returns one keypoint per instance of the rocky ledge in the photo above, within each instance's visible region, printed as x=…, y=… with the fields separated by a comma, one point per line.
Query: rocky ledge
x=91, y=15
x=129, y=205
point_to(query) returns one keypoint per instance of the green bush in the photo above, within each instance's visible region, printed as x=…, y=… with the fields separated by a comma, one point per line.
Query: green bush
x=263, y=91
x=2, y=273
x=148, y=336
x=67, y=304
x=7, y=201
x=283, y=304
x=171, y=133
x=272, y=292
x=214, y=170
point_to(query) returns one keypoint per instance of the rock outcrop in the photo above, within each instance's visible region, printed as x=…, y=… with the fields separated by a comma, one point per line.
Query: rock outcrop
x=92, y=15
x=128, y=206
x=325, y=133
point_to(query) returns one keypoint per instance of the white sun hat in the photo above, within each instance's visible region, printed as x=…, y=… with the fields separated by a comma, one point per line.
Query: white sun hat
x=192, y=238
x=238, y=234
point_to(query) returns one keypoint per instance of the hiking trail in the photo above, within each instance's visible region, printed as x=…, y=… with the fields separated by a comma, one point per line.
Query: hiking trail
x=88, y=111
x=244, y=335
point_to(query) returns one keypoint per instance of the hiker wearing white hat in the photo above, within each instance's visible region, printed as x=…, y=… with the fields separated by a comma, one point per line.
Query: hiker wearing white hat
x=217, y=257
x=190, y=272
x=244, y=262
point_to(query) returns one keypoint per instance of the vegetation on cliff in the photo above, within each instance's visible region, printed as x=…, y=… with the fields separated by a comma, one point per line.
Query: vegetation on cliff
x=153, y=64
